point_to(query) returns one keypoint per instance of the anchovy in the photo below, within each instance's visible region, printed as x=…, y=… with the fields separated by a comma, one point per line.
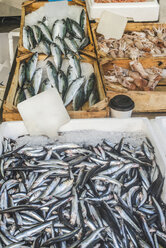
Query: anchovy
x=72, y=195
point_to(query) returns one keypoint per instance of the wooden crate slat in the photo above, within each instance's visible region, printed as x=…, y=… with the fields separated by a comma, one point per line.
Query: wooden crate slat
x=86, y=112
x=145, y=101
x=129, y=28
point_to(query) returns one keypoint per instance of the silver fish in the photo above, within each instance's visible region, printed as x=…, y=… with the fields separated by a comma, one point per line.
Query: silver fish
x=36, y=80
x=45, y=85
x=37, y=33
x=57, y=55
x=22, y=74
x=26, y=43
x=45, y=30
x=52, y=74
x=31, y=67
x=59, y=29
x=62, y=83
x=45, y=47
x=75, y=64
x=72, y=90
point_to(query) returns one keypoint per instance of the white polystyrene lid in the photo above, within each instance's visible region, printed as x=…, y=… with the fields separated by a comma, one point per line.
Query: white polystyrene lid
x=44, y=113
x=111, y=25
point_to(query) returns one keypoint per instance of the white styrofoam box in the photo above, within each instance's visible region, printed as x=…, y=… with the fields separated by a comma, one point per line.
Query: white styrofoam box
x=131, y=125
x=4, y=58
x=159, y=125
x=13, y=37
x=4, y=48
x=138, y=11
x=13, y=3
x=7, y=10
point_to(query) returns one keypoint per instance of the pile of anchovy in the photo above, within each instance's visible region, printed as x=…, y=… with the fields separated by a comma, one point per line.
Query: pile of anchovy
x=67, y=195
x=67, y=34
x=72, y=87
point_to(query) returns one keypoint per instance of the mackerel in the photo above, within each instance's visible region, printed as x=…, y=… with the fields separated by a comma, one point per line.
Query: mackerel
x=62, y=83
x=37, y=33
x=45, y=30
x=57, y=55
x=72, y=90
x=52, y=74
x=36, y=80
x=59, y=29
x=31, y=67
x=22, y=74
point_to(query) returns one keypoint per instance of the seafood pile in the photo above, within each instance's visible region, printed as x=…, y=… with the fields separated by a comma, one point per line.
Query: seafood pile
x=137, y=78
x=67, y=195
x=67, y=34
x=72, y=86
x=135, y=44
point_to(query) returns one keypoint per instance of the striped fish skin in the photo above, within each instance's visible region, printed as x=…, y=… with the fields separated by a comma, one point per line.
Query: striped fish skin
x=63, y=39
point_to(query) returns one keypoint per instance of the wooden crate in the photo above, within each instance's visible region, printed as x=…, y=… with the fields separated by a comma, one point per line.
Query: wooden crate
x=145, y=101
x=31, y=6
x=138, y=27
x=98, y=110
x=79, y=2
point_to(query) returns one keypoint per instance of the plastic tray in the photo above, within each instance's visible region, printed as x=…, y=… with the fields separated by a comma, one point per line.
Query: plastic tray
x=138, y=12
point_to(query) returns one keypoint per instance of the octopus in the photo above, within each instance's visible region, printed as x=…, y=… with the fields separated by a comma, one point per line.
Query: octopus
x=135, y=44
x=135, y=78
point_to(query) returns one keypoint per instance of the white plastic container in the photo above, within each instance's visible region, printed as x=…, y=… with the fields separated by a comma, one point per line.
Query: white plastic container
x=138, y=11
x=159, y=126
x=121, y=106
x=132, y=125
x=120, y=114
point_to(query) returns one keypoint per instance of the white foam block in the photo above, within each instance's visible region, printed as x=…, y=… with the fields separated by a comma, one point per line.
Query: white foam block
x=14, y=3
x=111, y=25
x=44, y=113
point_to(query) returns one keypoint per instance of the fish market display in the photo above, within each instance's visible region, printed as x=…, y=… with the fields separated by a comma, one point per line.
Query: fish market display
x=67, y=195
x=72, y=86
x=135, y=44
x=66, y=34
x=137, y=78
